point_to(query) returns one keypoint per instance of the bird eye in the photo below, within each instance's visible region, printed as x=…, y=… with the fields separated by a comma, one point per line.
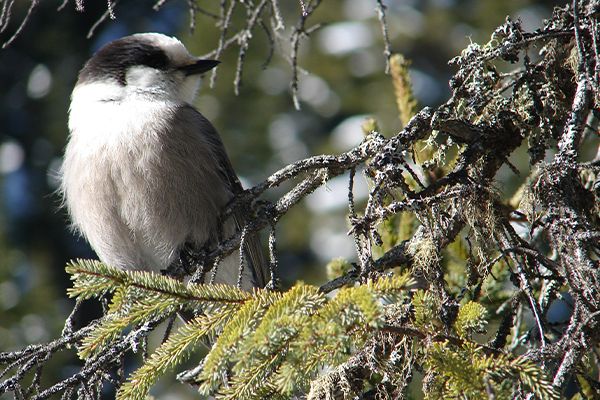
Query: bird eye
x=155, y=59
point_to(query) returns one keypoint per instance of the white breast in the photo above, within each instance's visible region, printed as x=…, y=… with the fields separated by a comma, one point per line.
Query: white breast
x=136, y=189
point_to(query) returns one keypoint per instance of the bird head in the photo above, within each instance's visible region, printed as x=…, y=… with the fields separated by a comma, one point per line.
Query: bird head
x=145, y=64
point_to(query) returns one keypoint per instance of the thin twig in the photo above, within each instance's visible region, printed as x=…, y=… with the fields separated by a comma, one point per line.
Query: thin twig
x=273, y=263
x=299, y=33
x=387, y=52
x=108, y=14
x=242, y=255
x=225, y=22
x=6, y=14
x=32, y=6
x=244, y=42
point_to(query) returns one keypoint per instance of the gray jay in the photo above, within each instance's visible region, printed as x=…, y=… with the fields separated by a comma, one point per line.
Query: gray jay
x=144, y=173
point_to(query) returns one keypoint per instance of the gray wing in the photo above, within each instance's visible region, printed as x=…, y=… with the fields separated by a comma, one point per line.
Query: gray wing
x=255, y=257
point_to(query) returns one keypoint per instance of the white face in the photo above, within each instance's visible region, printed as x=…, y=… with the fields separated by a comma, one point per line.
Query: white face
x=173, y=83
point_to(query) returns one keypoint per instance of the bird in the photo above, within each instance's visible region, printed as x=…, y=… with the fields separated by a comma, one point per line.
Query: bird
x=145, y=175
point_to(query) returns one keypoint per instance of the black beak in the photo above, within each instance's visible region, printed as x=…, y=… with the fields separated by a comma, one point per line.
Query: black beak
x=199, y=66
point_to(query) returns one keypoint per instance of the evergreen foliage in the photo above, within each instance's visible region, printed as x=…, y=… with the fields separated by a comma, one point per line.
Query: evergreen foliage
x=465, y=371
x=273, y=344
x=264, y=337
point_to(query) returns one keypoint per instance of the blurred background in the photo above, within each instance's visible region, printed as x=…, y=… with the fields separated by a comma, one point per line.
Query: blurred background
x=344, y=82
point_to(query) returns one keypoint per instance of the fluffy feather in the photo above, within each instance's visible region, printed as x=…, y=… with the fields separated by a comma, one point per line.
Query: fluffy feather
x=144, y=173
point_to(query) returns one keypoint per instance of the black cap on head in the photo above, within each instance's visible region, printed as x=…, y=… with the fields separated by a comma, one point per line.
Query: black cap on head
x=113, y=60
